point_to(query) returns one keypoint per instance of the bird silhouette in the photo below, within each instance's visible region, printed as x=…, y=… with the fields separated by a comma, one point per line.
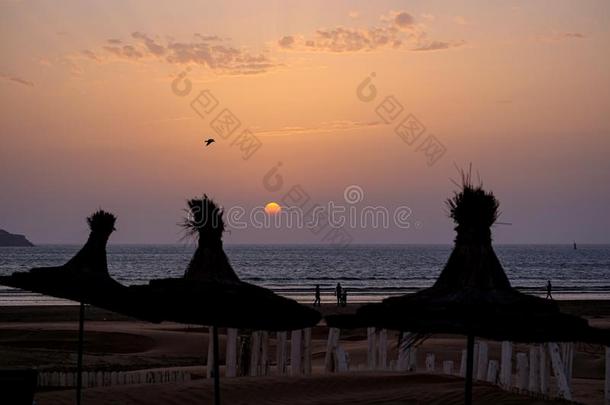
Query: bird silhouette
x=209, y=141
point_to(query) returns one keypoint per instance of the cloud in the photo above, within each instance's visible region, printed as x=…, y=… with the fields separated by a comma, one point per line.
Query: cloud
x=286, y=42
x=324, y=127
x=126, y=51
x=342, y=39
x=90, y=54
x=404, y=20
x=399, y=30
x=218, y=57
x=203, y=50
x=16, y=79
x=561, y=36
x=151, y=45
x=353, y=14
x=208, y=37
x=438, y=46
x=573, y=35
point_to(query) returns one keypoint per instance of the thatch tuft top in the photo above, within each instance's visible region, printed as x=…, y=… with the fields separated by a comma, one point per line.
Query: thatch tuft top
x=204, y=219
x=102, y=221
x=474, y=210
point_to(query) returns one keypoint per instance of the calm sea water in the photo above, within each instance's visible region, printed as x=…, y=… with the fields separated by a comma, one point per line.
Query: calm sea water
x=369, y=272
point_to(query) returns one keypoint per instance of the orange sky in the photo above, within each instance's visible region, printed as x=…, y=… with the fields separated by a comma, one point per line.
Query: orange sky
x=89, y=118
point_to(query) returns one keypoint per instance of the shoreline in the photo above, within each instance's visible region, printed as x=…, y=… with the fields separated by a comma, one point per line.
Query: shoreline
x=590, y=309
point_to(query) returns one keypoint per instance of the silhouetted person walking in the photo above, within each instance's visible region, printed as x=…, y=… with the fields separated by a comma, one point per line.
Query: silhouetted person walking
x=344, y=298
x=549, y=287
x=317, y=302
x=338, y=292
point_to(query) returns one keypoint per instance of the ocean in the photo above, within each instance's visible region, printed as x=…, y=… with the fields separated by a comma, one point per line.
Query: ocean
x=368, y=272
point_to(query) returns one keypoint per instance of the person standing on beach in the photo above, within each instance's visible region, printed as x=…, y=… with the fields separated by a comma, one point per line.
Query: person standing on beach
x=338, y=293
x=549, y=287
x=317, y=302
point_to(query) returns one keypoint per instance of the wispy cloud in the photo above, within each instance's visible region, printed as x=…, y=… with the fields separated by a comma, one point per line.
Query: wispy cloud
x=324, y=127
x=90, y=54
x=561, y=36
x=16, y=79
x=166, y=120
x=399, y=30
x=438, y=46
x=203, y=50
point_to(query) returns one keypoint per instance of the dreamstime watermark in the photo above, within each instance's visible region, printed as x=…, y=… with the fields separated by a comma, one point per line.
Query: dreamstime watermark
x=225, y=124
x=409, y=128
x=336, y=216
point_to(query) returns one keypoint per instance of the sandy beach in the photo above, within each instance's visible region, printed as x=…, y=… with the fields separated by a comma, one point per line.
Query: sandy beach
x=45, y=338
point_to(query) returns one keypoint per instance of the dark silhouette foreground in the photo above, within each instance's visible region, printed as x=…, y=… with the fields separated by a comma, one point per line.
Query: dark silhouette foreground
x=210, y=294
x=85, y=277
x=472, y=295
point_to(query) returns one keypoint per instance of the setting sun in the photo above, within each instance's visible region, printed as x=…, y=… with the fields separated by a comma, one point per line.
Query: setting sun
x=272, y=208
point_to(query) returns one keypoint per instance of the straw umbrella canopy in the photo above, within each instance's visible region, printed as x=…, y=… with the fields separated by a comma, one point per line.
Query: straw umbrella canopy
x=473, y=295
x=85, y=279
x=211, y=293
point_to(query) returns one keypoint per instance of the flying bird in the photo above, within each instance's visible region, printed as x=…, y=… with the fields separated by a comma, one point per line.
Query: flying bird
x=209, y=141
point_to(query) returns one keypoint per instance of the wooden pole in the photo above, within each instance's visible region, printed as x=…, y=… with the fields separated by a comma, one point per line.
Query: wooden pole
x=522, y=371
x=482, y=361
x=402, y=363
x=475, y=362
x=264, y=360
x=607, y=383
x=430, y=362
x=469, y=370
x=563, y=386
x=330, y=359
x=383, y=349
x=281, y=352
x=568, y=359
x=231, y=353
x=412, y=359
x=534, y=380
x=79, y=361
x=216, y=366
x=492, y=372
x=296, y=352
x=307, y=351
x=371, y=348
x=545, y=370
x=506, y=365
x=255, y=352
x=463, y=363
x=210, y=360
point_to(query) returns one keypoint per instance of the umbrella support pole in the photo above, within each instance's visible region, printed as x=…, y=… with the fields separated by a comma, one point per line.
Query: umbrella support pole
x=469, y=370
x=216, y=366
x=79, y=362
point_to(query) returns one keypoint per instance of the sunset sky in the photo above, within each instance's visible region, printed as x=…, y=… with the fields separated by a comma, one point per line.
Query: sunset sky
x=89, y=117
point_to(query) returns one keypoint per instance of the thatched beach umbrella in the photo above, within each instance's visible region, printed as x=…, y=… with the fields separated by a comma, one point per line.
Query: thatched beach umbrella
x=212, y=294
x=473, y=295
x=85, y=279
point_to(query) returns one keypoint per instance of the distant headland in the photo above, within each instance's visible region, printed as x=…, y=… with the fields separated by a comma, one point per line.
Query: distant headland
x=9, y=239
